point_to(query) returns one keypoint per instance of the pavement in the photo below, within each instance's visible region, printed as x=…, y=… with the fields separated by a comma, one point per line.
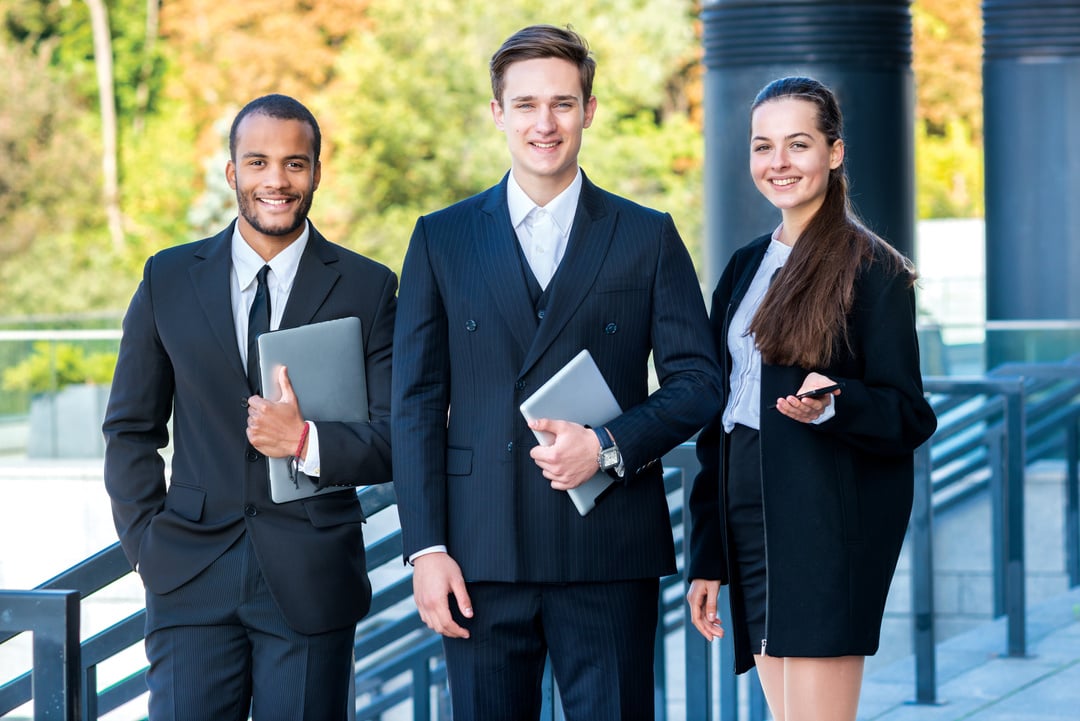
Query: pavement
x=977, y=682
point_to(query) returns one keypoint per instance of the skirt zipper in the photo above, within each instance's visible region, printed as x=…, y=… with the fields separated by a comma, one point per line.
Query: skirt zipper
x=765, y=537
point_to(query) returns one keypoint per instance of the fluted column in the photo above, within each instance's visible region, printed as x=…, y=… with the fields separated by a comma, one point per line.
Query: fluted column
x=1031, y=89
x=862, y=50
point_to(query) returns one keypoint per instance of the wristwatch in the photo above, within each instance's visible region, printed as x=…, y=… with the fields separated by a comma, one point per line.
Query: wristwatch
x=610, y=458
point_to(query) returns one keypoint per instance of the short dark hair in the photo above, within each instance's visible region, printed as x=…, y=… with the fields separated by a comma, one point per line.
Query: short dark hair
x=543, y=41
x=277, y=106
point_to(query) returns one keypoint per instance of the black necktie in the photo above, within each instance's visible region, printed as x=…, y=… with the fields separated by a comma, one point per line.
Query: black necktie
x=258, y=323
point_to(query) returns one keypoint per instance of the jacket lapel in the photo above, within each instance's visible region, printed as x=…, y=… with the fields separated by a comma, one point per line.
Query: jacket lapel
x=496, y=247
x=210, y=279
x=590, y=239
x=315, y=278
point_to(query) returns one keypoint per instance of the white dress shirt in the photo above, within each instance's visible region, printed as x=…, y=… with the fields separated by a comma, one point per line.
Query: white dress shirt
x=246, y=264
x=543, y=231
x=744, y=403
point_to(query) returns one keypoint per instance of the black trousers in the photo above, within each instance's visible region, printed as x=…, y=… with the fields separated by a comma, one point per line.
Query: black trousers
x=600, y=637
x=219, y=647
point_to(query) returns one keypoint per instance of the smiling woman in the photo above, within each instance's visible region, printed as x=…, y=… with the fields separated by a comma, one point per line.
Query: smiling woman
x=817, y=308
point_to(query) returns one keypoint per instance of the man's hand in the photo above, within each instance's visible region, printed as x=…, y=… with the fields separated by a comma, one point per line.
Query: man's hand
x=702, y=599
x=435, y=577
x=571, y=459
x=274, y=428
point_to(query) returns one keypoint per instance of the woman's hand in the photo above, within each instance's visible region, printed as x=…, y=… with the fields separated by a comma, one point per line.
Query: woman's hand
x=702, y=599
x=807, y=409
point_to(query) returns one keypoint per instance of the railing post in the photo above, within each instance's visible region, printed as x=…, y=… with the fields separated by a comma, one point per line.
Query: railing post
x=53, y=619
x=421, y=696
x=757, y=703
x=697, y=653
x=1014, y=520
x=660, y=665
x=1072, y=504
x=922, y=580
x=999, y=556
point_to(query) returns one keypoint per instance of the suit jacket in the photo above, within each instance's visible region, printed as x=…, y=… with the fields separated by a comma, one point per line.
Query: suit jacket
x=470, y=348
x=836, y=495
x=179, y=357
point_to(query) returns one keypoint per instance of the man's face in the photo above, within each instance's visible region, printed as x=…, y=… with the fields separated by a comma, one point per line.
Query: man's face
x=275, y=176
x=543, y=114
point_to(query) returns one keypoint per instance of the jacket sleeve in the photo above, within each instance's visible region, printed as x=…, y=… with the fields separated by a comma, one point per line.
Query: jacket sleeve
x=359, y=453
x=881, y=408
x=136, y=419
x=707, y=556
x=421, y=400
x=684, y=359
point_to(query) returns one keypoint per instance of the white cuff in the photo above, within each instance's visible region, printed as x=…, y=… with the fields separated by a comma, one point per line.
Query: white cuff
x=426, y=551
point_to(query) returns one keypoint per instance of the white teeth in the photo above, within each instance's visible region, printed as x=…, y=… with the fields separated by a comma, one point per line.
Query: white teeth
x=545, y=145
x=785, y=181
x=274, y=202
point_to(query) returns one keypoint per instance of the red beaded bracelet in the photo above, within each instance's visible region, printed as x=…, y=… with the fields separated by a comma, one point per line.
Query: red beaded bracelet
x=303, y=440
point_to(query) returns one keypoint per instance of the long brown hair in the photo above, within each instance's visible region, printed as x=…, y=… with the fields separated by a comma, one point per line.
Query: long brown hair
x=802, y=320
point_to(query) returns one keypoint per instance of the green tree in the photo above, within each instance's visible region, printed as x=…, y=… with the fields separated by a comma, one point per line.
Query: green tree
x=948, y=108
x=43, y=189
x=409, y=111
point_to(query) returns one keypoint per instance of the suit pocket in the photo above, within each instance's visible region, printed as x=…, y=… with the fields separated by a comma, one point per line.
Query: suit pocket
x=328, y=512
x=186, y=501
x=458, y=461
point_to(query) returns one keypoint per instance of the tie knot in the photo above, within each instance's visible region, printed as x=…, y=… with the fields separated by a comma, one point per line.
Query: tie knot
x=261, y=275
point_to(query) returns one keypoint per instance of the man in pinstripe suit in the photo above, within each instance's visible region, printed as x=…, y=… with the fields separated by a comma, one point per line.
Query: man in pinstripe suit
x=498, y=292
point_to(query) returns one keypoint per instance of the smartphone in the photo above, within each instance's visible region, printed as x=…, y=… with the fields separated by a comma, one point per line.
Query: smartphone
x=818, y=392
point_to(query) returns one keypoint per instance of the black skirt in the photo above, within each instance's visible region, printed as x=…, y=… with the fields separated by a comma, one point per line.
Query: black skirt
x=746, y=535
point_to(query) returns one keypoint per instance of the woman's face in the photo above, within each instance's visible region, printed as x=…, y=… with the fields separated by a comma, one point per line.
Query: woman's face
x=790, y=158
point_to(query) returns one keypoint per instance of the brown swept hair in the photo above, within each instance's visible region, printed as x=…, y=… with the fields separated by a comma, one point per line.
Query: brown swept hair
x=543, y=41
x=802, y=320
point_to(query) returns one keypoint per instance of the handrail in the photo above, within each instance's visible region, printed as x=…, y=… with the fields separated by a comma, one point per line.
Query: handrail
x=53, y=619
x=991, y=426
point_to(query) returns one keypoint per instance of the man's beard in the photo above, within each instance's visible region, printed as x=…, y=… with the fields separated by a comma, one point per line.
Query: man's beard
x=299, y=217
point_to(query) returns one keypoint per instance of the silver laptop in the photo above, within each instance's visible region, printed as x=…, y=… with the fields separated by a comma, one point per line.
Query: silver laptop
x=577, y=393
x=325, y=363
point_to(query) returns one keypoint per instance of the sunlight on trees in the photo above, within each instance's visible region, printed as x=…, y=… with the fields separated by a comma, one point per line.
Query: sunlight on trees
x=401, y=91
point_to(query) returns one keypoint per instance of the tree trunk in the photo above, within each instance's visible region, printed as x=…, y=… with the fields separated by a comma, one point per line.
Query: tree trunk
x=99, y=22
x=142, y=92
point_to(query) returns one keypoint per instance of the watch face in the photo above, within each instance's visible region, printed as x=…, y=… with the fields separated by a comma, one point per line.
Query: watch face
x=609, y=458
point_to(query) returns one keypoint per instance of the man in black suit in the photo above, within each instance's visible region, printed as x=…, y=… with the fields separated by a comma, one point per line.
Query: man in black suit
x=251, y=605
x=498, y=292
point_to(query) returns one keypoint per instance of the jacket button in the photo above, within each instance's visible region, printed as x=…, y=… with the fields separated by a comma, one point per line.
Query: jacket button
x=610, y=328
x=540, y=314
x=250, y=511
x=470, y=325
x=510, y=447
x=252, y=455
x=520, y=385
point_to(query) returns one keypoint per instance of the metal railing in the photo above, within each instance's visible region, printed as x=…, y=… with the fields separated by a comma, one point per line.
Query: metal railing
x=990, y=428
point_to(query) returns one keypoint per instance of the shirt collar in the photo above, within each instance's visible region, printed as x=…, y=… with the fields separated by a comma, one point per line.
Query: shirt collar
x=563, y=207
x=246, y=262
x=778, y=251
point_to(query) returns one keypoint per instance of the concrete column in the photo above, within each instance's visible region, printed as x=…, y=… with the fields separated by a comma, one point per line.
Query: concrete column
x=863, y=52
x=1031, y=89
